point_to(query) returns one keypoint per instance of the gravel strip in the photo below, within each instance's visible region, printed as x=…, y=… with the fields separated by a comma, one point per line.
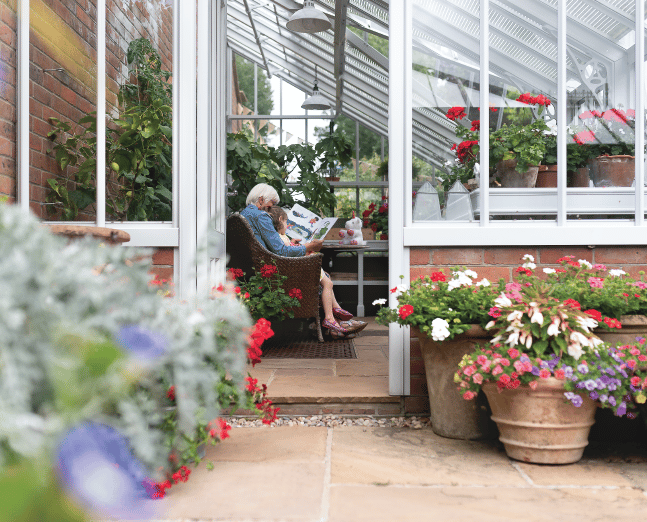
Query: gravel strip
x=332, y=421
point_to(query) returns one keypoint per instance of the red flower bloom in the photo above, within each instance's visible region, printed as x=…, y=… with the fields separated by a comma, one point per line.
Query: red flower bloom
x=170, y=393
x=456, y=113
x=544, y=373
x=573, y=304
x=366, y=213
x=476, y=125
x=612, y=323
x=384, y=236
x=235, y=273
x=594, y=313
x=465, y=152
x=295, y=292
x=405, y=311
x=268, y=270
x=374, y=227
x=438, y=276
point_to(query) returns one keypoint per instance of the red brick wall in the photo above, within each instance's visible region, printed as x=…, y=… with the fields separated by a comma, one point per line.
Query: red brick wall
x=494, y=263
x=162, y=264
x=64, y=36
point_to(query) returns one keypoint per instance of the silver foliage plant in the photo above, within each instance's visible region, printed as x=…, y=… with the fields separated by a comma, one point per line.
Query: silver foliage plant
x=62, y=303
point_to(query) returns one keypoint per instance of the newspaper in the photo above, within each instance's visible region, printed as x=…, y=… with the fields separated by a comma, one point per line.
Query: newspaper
x=306, y=225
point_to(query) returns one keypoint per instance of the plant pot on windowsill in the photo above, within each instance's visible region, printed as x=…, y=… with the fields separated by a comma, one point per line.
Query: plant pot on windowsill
x=332, y=178
x=547, y=176
x=612, y=171
x=111, y=236
x=509, y=177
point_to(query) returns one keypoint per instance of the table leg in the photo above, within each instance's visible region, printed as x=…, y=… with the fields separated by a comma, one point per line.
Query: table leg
x=360, y=284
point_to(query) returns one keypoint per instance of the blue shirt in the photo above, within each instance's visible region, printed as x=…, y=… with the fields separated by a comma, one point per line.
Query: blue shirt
x=264, y=230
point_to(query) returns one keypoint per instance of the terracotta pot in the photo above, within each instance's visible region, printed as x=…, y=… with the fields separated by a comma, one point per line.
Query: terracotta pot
x=579, y=177
x=632, y=326
x=451, y=415
x=547, y=176
x=613, y=171
x=112, y=236
x=541, y=426
x=509, y=177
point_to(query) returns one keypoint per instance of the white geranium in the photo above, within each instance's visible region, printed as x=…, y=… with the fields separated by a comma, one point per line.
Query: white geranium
x=379, y=302
x=584, y=263
x=483, y=282
x=470, y=273
x=549, y=270
x=616, y=272
x=528, y=258
x=439, y=329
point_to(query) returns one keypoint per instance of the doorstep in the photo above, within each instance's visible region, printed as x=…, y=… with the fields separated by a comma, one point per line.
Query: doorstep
x=335, y=386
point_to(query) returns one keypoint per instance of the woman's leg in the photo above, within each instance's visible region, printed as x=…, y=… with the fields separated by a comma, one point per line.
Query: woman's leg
x=327, y=298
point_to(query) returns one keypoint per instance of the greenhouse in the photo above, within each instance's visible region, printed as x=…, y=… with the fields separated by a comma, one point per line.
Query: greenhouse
x=353, y=108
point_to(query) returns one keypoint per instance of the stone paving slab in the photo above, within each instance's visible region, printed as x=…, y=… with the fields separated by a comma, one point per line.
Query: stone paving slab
x=266, y=444
x=583, y=473
x=290, y=491
x=483, y=504
x=397, y=456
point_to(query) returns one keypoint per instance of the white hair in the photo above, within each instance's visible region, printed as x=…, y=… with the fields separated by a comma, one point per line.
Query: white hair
x=262, y=190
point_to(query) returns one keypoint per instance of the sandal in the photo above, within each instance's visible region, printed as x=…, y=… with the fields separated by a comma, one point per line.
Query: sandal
x=338, y=337
x=333, y=326
x=342, y=314
x=354, y=326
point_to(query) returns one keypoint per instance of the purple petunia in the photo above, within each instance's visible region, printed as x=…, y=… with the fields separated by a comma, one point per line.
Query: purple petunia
x=583, y=369
x=535, y=371
x=622, y=409
x=590, y=385
x=95, y=464
x=594, y=395
x=612, y=400
x=142, y=342
x=568, y=371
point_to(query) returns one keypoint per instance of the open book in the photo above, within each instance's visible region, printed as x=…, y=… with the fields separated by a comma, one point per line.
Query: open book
x=306, y=225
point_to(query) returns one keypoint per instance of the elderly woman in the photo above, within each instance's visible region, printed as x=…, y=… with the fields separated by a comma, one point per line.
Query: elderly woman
x=259, y=201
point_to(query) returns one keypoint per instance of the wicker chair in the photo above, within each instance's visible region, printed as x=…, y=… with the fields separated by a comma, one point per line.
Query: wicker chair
x=246, y=253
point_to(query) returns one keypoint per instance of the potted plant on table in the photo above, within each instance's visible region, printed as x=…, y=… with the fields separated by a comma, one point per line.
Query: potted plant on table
x=447, y=313
x=377, y=219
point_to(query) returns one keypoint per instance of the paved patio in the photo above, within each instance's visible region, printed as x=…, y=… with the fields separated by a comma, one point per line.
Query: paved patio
x=352, y=474
x=400, y=474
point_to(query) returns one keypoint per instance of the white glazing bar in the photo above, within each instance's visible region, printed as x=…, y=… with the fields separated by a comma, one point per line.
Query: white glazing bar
x=561, y=113
x=397, y=153
x=175, y=123
x=185, y=113
x=101, y=113
x=484, y=101
x=640, y=114
x=203, y=163
x=22, y=130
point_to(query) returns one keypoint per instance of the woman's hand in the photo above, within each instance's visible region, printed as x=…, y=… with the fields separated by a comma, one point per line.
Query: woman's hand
x=314, y=245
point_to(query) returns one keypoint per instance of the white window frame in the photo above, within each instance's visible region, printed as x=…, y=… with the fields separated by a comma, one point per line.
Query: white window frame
x=404, y=234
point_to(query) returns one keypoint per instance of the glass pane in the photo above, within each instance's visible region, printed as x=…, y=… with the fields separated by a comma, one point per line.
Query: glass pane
x=523, y=127
x=445, y=105
x=138, y=105
x=601, y=112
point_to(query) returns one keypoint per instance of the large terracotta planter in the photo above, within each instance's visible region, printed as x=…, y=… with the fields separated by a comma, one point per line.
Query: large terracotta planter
x=451, y=415
x=632, y=326
x=613, y=171
x=541, y=426
x=508, y=176
x=547, y=176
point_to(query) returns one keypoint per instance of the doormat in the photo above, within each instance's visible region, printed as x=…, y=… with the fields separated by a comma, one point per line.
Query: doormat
x=303, y=346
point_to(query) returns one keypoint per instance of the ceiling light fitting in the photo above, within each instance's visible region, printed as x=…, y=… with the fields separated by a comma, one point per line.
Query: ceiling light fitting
x=316, y=102
x=308, y=19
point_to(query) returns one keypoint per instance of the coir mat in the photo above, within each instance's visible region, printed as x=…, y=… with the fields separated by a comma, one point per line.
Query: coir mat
x=303, y=346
